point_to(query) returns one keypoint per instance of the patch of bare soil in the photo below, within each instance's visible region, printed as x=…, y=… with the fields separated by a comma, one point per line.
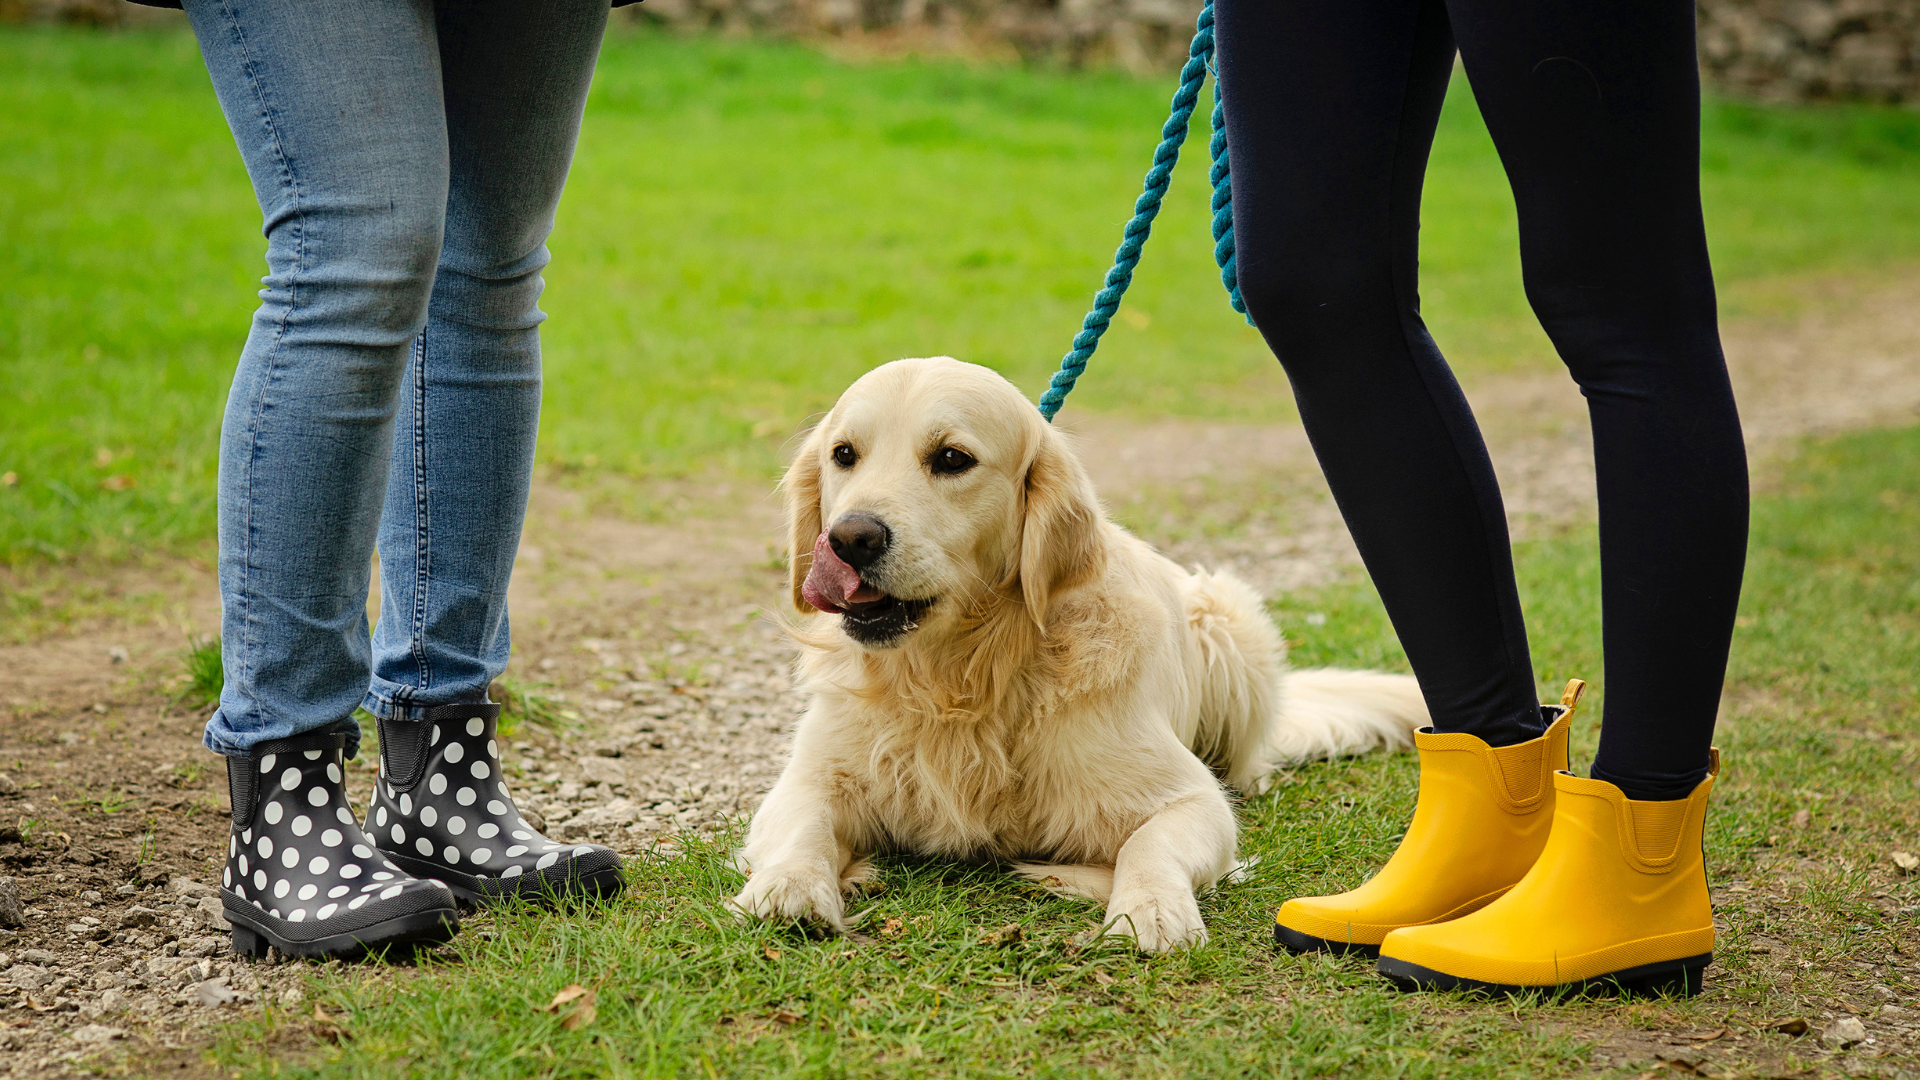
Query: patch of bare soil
x=656, y=654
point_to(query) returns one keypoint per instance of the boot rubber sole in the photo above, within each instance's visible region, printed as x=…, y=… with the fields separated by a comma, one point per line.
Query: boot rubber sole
x=601, y=885
x=1296, y=942
x=1680, y=978
x=411, y=931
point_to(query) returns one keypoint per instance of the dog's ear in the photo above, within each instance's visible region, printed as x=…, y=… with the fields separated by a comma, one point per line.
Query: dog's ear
x=802, y=486
x=1060, y=533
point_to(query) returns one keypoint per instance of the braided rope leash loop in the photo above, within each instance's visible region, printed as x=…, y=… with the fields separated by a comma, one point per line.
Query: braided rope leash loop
x=1147, y=207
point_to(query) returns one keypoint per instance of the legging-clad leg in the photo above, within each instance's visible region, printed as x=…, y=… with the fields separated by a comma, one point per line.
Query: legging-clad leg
x=1594, y=109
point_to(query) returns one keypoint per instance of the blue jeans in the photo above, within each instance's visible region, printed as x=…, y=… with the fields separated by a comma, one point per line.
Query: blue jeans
x=408, y=156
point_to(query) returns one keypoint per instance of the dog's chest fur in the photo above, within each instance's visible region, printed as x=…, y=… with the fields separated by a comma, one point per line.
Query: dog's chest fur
x=969, y=790
x=1015, y=779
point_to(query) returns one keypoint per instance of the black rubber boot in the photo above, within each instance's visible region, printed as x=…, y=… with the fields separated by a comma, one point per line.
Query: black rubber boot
x=300, y=874
x=441, y=810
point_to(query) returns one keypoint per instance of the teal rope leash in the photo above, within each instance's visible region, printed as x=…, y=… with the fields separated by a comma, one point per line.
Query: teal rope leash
x=1147, y=207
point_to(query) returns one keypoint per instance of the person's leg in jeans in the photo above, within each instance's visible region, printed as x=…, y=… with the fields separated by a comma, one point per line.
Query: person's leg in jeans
x=515, y=81
x=338, y=116
x=337, y=113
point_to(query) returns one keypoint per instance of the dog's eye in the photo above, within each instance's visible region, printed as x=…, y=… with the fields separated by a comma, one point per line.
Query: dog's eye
x=951, y=460
x=844, y=456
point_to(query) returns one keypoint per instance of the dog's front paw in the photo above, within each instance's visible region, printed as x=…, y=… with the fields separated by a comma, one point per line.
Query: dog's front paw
x=790, y=893
x=1158, y=921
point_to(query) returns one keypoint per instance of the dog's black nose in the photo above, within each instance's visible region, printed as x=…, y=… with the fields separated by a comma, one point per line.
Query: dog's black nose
x=858, y=539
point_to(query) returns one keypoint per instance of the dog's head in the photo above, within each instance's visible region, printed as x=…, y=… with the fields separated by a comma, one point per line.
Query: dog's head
x=933, y=488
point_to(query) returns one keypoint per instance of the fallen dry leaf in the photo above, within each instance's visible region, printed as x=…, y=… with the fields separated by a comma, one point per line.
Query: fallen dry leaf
x=892, y=928
x=1795, y=1026
x=1802, y=818
x=1906, y=861
x=773, y=953
x=328, y=1027
x=1710, y=1036
x=1006, y=935
x=117, y=482
x=786, y=1016
x=1103, y=978
x=566, y=994
x=582, y=1014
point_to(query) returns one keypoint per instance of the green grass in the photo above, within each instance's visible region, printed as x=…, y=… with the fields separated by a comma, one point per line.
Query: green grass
x=747, y=228
x=1821, y=714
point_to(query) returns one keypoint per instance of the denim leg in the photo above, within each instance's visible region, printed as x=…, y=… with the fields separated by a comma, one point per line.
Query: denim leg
x=516, y=79
x=338, y=113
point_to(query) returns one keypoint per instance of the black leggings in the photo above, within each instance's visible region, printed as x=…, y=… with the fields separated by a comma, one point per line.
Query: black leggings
x=1595, y=109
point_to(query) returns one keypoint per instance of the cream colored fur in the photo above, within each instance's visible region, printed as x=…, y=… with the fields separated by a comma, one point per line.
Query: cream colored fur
x=1073, y=703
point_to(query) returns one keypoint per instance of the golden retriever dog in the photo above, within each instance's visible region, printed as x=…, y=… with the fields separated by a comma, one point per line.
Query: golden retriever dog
x=995, y=671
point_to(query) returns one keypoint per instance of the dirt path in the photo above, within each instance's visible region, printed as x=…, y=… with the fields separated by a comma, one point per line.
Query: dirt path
x=654, y=644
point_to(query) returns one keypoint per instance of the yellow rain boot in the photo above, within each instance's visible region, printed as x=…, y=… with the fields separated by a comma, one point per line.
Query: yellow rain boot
x=1619, y=897
x=1483, y=815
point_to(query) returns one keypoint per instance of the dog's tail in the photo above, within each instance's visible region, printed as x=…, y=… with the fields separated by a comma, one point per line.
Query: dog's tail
x=1327, y=712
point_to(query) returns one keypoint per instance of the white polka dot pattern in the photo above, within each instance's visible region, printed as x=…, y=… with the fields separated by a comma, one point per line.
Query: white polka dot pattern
x=264, y=858
x=452, y=821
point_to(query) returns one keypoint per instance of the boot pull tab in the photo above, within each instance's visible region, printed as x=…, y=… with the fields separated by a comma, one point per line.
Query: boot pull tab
x=1570, y=697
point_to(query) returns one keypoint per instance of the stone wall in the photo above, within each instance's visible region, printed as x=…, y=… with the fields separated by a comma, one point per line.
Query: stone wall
x=1141, y=35
x=1813, y=50
x=1772, y=50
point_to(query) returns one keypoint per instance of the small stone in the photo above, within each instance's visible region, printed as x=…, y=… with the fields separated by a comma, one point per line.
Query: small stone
x=8, y=785
x=1896, y=1013
x=127, y=890
x=116, y=655
x=138, y=916
x=28, y=977
x=11, y=911
x=186, y=886
x=113, y=1000
x=1844, y=1032
x=214, y=993
x=1906, y=861
x=212, y=913
x=96, y=1033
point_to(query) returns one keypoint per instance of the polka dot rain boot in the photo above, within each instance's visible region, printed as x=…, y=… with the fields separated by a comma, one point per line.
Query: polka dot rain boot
x=302, y=877
x=441, y=810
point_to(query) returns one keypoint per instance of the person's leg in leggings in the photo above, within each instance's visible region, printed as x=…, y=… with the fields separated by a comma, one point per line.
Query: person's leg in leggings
x=1595, y=109
x=1331, y=109
x=516, y=79
x=339, y=119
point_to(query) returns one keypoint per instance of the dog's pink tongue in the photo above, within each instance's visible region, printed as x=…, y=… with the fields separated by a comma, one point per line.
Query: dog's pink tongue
x=831, y=584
